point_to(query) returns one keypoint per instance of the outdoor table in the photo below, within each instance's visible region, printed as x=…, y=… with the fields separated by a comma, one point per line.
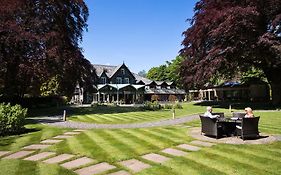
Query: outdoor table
x=229, y=125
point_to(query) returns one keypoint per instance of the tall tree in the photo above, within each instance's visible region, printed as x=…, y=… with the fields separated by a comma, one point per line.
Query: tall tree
x=231, y=35
x=158, y=73
x=39, y=40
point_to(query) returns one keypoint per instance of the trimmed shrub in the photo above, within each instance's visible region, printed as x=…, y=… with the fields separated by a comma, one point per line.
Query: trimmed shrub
x=155, y=98
x=168, y=106
x=12, y=119
x=152, y=106
x=172, y=98
x=177, y=106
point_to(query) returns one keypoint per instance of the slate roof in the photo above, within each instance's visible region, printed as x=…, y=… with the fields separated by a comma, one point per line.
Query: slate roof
x=111, y=70
x=101, y=68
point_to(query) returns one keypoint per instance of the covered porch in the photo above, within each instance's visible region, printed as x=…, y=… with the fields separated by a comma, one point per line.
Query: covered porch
x=119, y=93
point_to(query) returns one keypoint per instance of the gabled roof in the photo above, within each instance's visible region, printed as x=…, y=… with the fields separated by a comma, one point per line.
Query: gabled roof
x=140, y=78
x=104, y=68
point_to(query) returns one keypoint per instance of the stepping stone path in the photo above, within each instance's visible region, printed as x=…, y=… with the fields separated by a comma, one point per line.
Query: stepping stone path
x=155, y=158
x=79, y=130
x=3, y=153
x=77, y=163
x=189, y=147
x=63, y=137
x=36, y=146
x=201, y=143
x=19, y=155
x=122, y=172
x=95, y=169
x=50, y=141
x=174, y=152
x=40, y=156
x=59, y=158
x=71, y=133
x=135, y=165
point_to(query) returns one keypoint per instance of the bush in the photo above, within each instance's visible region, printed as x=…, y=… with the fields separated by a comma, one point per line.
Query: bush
x=155, y=98
x=168, y=106
x=152, y=106
x=178, y=106
x=12, y=119
x=172, y=98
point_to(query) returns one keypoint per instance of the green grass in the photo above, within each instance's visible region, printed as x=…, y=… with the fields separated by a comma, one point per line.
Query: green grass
x=35, y=134
x=122, y=144
x=117, y=115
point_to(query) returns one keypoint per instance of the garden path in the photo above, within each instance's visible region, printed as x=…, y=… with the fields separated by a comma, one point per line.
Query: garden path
x=84, y=125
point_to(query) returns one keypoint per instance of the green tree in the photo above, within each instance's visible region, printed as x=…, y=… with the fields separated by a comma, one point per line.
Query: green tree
x=167, y=72
x=158, y=73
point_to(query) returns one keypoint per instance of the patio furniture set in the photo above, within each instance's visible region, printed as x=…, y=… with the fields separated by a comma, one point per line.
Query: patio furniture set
x=236, y=125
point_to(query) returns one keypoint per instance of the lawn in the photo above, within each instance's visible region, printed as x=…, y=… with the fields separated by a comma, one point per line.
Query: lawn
x=115, y=145
x=117, y=115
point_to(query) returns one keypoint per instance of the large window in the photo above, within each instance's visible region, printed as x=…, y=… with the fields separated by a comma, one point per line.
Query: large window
x=126, y=81
x=118, y=80
x=103, y=80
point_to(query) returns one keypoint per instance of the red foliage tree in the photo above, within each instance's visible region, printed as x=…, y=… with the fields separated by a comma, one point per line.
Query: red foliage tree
x=227, y=36
x=40, y=40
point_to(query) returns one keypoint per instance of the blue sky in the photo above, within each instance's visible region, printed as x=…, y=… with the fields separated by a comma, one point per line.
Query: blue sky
x=142, y=33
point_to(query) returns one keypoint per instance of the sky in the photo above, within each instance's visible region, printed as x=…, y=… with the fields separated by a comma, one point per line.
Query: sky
x=141, y=33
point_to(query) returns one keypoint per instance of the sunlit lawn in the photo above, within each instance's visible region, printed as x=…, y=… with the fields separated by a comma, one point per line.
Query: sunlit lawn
x=122, y=144
x=116, y=115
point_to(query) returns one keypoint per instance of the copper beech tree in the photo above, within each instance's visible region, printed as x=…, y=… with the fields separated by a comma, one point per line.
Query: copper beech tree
x=39, y=40
x=227, y=36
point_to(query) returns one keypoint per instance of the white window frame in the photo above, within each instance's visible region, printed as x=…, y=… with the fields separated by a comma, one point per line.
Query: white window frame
x=103, y=80
x=123, y=71
x=126, y=80
x=118, y=80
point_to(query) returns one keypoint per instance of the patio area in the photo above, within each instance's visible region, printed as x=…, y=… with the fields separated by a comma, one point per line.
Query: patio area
x=263, y=139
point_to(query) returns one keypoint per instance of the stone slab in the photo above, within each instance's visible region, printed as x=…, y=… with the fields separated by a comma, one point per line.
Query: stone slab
x=174, y=152
x=3, y=153
x=63, y=136
x=36, y=146
x=40, y=156
x=95, y=169
x=189, y=147
x=50, y=141
x=71, y=133
x=135, y=165
x=59, y=158
x=201, y=143
x=122, y=172
x=155, y=158
x=77, y=163
x=79, y=130
x=18, y=155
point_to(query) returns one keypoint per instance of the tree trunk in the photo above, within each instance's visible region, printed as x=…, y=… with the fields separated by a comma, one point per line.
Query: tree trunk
x=274, y=80
x=276, y=93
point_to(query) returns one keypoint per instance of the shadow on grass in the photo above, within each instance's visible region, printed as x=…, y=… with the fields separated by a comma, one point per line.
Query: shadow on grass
x=7, y=140
x=81, y=110
x=238, y=105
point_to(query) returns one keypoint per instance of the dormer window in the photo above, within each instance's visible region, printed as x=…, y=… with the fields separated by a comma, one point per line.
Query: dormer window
x=103, y=80
x=123, y=71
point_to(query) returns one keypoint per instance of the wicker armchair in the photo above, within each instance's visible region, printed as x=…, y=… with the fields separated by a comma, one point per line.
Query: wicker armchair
x=239, y=115
x=249, y=128
x=210, y=127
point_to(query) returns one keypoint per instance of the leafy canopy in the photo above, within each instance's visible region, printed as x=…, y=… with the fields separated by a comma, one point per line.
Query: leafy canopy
x=229, y=36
